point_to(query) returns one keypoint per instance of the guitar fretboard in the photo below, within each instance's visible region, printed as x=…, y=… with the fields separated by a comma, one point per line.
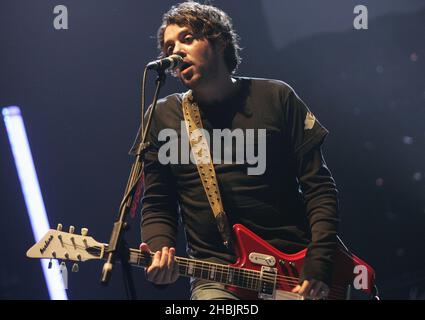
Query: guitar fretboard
x=244, y=278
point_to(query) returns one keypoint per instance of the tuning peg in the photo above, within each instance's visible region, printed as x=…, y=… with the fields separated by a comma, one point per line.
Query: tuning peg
x=59, y=227
x=73, y=242
x=50, y=264
x=71, y=229
x=84, y=231
x=75, y=267
x=62, y=266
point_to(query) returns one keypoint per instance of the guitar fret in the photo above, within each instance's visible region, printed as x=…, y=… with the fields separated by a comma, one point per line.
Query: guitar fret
x=237, y=280
x=234, y=272
x=256, y=282
x=212, y=272
x=226, y=275
x=182, y=269
x=220, y=274
x=216, y=273
x=191, y=268
x=198, y=269
x=250, y=282
x=139, y=259
x=248, y=279
x=230, y=273
x=134, y=258
x=139, y=256
x=223, y=274
x=205, y=270
x=238, y=277
x=243, y=278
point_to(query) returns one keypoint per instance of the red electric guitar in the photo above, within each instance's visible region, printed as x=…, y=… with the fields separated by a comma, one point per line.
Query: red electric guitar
x=260, y=272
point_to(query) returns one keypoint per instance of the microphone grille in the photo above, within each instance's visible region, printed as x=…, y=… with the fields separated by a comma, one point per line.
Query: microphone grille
x=176, y=57
x=176, y=60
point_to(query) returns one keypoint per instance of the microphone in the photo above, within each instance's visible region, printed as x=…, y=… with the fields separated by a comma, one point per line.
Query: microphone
x=163, y=64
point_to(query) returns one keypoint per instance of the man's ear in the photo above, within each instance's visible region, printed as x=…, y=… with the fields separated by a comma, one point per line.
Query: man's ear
x=220, y=46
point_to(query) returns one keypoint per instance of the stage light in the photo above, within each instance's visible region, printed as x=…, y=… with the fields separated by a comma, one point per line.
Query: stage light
x=32, y=194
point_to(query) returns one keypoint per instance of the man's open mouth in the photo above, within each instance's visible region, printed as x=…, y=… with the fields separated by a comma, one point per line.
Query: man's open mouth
x=184, y=66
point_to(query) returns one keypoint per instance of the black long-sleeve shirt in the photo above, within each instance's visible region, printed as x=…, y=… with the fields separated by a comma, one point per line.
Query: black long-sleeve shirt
x=294, y=202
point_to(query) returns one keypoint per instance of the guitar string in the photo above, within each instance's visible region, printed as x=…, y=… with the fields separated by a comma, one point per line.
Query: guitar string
x=252, y=274
x=249, y=274
x=255, y=275
x=334, y=293
x=246, y=273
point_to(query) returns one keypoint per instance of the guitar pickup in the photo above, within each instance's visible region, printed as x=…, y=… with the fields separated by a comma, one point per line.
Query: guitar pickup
x=267, y=283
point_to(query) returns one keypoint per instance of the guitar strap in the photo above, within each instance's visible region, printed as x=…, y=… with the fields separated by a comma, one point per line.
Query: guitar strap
x=202, y=158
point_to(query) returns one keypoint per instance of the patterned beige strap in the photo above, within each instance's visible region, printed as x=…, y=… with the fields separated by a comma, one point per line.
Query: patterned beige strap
x=202, y=157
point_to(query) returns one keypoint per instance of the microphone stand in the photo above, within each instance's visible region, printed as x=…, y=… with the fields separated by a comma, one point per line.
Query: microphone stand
x=117, y=246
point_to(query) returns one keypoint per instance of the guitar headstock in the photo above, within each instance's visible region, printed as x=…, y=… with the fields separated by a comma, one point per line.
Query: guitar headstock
x=60, y=245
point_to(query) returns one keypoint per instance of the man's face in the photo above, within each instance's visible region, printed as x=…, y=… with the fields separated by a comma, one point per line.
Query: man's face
x=201, y=59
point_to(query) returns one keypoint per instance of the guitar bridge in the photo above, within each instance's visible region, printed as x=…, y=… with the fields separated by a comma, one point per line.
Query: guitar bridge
x=267, y=283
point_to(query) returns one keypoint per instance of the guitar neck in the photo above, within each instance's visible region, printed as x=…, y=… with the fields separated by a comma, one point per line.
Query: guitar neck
x=221, y=273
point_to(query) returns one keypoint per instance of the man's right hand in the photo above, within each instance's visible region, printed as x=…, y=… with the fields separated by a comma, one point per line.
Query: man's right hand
x=163, y=269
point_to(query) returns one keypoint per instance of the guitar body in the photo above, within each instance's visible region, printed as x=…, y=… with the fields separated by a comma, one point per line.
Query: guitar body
x=347, y=267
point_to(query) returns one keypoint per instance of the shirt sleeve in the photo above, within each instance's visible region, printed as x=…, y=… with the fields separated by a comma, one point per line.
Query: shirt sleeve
x=159, y=202
x=320, y=196
x=306, y=136
x=304, y=130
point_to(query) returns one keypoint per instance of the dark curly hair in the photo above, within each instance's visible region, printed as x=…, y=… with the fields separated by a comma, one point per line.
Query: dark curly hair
x=205, y=21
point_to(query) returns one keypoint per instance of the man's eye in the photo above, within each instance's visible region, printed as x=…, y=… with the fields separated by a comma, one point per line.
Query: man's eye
x=188, y=39
x=169, y=50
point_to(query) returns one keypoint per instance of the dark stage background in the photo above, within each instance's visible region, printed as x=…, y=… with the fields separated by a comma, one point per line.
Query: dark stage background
x=79, y=94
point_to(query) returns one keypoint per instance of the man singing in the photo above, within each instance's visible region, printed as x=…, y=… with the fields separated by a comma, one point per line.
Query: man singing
x=292, y=203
